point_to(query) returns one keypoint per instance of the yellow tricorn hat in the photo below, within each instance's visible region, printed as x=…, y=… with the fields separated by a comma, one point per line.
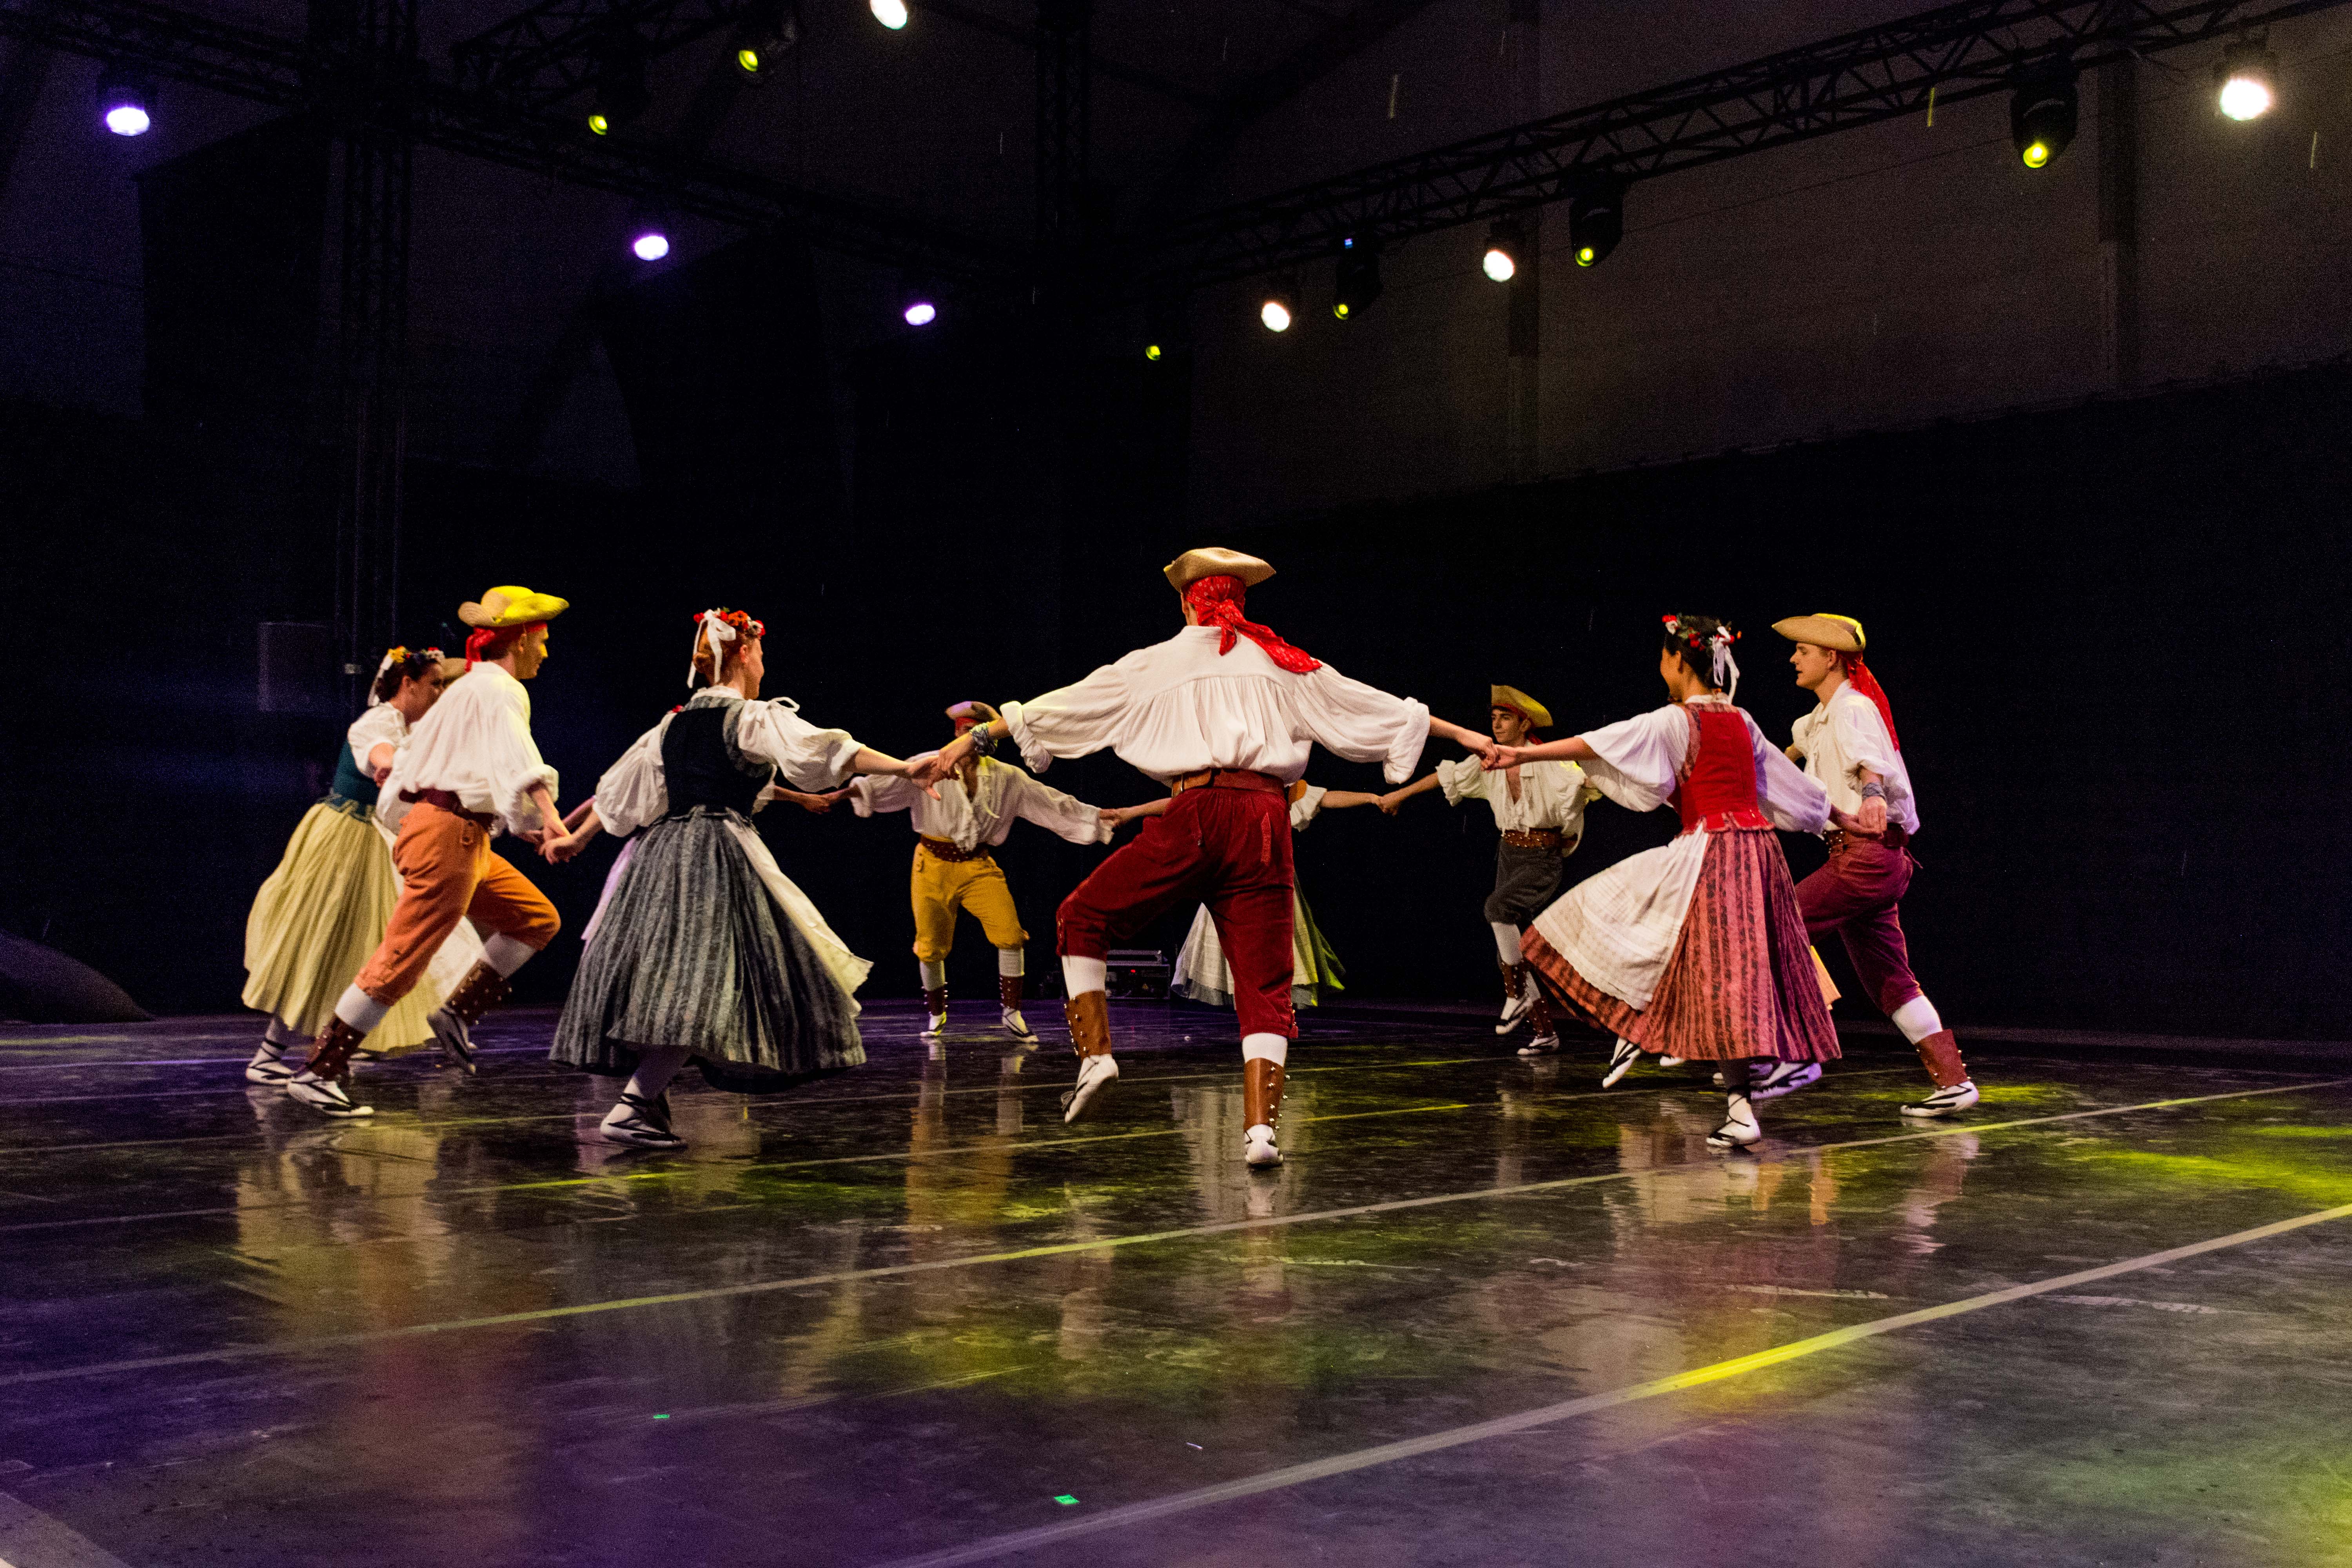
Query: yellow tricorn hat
x=512, y=606
x=1842, y=634
x=1194, y=565
x=1519, y=702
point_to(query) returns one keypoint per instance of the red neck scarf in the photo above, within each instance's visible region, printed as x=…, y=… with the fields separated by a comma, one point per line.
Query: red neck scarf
x=1858, y=674
x=1217, y=602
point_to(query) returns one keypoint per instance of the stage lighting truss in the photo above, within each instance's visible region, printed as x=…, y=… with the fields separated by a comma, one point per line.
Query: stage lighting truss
x=1507, y=243
x=1596, y=222
x=125, y=100
x=764, y=42
x=1278, y=306
x=2042, y=113
x=2245, y=82
x=1358, y=283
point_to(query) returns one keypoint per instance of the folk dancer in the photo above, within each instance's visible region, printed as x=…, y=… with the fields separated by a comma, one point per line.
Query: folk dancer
x=1540, y=808
x=1225, y=714
x=324, y=911
x=1848, y=746
x=957, y=831
x=706, y=951
x=469, y=771
x=1694, y=949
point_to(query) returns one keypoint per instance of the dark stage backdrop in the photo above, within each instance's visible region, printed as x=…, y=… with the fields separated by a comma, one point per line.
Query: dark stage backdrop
x=2112, y=636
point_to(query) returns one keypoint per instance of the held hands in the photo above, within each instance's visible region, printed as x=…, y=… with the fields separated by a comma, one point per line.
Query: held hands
x=1872, y=819
x=1390, y=802
x=558, y=848
x=1497, y=758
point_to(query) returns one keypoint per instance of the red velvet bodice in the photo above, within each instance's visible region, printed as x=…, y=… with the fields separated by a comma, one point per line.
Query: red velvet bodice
x=1717, y=792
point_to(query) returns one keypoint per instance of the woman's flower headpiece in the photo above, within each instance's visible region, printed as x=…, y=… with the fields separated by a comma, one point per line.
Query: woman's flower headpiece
x=397, y=654
x=722, y=627
x=1724, y=670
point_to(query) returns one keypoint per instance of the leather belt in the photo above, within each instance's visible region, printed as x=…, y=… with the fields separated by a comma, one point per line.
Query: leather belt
x=449, y=803
x=1228, y=778
x=945, y=849
x=1838, y=838
x=1532, y=837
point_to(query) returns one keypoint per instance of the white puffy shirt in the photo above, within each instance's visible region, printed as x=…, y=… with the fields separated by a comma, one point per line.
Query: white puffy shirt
x=379, y=726
x=1551, y=795
x=475, y=743
x=1841, y=737
x=1180, y=706
x=1638, y=763
x=634, y=794
x=1001, y=795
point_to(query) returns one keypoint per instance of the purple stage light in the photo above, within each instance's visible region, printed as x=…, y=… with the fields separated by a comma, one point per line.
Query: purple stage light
x=123, y=101
x=650, y=245
x=921, y=312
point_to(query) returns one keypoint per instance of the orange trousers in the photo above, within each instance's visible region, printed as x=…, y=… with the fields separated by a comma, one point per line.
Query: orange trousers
x=448, y=874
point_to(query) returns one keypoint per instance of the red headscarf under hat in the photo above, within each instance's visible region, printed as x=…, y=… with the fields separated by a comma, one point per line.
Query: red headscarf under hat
x=478, y=642
x=1217, y=602
x=1867, y=684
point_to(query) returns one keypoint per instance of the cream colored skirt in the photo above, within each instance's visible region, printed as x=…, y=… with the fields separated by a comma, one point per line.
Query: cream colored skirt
x=316, y=922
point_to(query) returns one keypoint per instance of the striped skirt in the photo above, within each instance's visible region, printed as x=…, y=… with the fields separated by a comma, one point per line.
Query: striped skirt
x=692, y=951
x=1742, y=981
x=1203, y=975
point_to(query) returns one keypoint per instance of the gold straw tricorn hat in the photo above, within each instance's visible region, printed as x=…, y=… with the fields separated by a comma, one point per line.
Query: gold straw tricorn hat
x=512, y=606
x=1194, y=565
x=973, y=713
x=1840, y=633
x=1519, y=702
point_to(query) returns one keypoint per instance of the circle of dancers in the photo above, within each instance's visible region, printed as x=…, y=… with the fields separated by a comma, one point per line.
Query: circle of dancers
x=392, y=922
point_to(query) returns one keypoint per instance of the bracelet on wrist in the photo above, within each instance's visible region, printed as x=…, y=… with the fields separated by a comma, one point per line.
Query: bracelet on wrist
x=1874, y=791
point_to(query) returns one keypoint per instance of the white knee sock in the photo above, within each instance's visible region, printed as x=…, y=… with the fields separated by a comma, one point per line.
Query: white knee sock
x=1273, y=1048
x=1506, y=942
x=1080, y=975
x=359, y=1010
x=1917, y=1018
x=654, y=1069
x=506, y=955
x=1011, y=961
x=935, y=972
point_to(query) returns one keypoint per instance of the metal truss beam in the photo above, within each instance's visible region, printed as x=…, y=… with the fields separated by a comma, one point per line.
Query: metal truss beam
x=1958, y=52
x=292, y=74
x=549, y=51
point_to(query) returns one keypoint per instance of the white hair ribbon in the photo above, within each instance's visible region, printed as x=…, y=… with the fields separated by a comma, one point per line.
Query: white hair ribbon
x=383, y=664
x=721, y=633
x=1723, y=663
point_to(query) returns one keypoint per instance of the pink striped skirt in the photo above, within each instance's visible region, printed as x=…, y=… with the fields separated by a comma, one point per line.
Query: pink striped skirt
x=1741, y=982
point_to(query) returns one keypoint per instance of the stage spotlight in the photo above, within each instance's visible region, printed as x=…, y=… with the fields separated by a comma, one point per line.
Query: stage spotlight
x=1596, y=222
x=918, y=305
x=891, y=14
x=122, y=99
x=1359, y=281
x=650, y=244
x=762, y=46
x=620, y=91
x=2041, y=116
x=1278, y=307
x=1153, y=352
x=2245, y=75
x=1504, y=240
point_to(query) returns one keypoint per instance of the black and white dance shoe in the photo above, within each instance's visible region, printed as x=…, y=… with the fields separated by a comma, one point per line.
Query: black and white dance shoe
x=1622, y=1059
x=1783, y=1078
x=640, y=1123
x=454, y=1040
x=1095, y=1073
x=1259, y=1149
x=1018, y=1027
x=1515, y=1013
x=1739, y=1129
x=269, y=1066
x=1944, y=1101
x=327, y=1096
x=1541, y=1045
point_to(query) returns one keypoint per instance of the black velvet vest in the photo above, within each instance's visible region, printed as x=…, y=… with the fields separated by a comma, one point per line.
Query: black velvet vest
x=701, y=769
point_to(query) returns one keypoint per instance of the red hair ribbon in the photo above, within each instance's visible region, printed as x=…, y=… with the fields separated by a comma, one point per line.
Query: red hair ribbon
x=1867, y=684
x=1217, y=602
x=478, y=642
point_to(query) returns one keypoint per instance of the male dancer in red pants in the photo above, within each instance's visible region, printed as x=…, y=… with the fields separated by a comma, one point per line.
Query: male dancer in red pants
x=1848, y=744
x=1225, y=714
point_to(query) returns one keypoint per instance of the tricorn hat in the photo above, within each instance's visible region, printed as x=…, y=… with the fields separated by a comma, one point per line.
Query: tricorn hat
x=512, y=606
x=1840, y=633
x=1194, y=565
x=1519, y=702
x=964, y=713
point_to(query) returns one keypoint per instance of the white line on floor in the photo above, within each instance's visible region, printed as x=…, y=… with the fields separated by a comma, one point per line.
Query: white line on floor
x=1544, y=1416
x=1782, y=1154
x=31, y=1539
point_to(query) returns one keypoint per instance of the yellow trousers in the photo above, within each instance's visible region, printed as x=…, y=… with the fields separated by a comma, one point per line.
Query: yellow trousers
x=943, y=889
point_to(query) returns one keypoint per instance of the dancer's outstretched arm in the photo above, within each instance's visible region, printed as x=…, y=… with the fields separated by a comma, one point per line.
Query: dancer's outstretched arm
x=1341, y=799
x=1118, y=816
x=1396, y=797
x=585, y=825
x=1571, y=749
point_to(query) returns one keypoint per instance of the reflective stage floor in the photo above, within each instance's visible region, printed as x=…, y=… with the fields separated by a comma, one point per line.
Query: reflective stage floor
x=1486, y=1314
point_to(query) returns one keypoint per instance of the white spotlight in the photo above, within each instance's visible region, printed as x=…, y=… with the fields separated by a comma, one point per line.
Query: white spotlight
x=891, y=14
x=2245, y=73
x=1276, y=315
